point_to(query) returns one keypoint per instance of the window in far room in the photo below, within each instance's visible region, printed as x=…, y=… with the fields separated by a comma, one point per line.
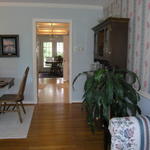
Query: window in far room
x=60, y=48
x=47, y=51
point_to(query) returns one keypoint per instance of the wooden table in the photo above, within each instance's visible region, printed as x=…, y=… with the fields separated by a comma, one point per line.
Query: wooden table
x=6, y=81
x=56, y=67
x=53, y=62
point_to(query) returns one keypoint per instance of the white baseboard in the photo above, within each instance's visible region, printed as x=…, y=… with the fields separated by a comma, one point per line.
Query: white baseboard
x=35, y=102
x=29, y=102
x=76, y=101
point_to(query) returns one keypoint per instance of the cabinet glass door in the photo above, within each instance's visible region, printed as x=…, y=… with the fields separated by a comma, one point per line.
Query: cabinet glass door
x=107, y=50
x=99, y=45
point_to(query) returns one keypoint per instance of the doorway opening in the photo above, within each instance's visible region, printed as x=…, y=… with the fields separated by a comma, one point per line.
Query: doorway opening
x=52, y=47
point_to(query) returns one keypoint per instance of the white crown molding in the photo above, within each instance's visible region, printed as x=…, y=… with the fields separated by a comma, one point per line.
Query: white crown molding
x=49, y=5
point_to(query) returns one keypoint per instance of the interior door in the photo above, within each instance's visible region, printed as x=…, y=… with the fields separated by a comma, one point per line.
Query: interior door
x=66, y=58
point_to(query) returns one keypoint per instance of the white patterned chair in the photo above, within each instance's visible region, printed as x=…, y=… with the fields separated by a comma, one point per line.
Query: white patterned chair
x=130, y=133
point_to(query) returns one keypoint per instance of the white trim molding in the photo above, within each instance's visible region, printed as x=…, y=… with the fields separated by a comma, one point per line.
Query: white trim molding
x=35, y=55
x=49, y=5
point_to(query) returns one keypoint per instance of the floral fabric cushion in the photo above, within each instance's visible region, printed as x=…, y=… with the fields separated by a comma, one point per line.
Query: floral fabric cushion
x=130, y=133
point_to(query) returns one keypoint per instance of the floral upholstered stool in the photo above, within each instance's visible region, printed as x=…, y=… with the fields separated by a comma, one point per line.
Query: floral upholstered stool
x=130, y=133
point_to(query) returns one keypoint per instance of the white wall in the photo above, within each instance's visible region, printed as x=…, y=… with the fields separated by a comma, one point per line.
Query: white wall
x=144, y=105
x=18, y=20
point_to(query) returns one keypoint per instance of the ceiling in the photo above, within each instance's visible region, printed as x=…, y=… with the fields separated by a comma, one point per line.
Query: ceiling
x=77, y=2
x=52, y=28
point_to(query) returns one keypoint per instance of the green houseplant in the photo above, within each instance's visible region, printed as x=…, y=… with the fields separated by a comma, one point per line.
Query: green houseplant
x=107, y=93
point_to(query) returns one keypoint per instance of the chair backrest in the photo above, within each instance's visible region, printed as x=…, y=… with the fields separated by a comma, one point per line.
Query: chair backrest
x=23, y=84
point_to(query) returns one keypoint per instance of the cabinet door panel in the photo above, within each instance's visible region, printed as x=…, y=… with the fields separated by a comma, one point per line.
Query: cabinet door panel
x=99, y=44
x=107, y=46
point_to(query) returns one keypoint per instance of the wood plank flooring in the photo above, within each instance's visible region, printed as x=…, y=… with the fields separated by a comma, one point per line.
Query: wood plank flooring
x=53, y=90
x=57, y=127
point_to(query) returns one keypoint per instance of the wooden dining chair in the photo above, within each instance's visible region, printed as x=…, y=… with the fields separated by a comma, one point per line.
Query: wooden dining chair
x=15, y=100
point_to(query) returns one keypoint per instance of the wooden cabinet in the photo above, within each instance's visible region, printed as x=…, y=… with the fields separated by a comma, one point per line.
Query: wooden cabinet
x=110, y=41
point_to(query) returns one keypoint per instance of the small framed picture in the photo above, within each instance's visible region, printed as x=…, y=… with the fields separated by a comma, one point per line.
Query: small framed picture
x=9, y=45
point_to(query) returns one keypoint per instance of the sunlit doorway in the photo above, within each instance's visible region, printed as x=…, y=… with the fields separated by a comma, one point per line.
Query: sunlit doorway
x=52, y=40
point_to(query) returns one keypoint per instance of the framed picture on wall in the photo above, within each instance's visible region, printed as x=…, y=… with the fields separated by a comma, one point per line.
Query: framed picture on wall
x=9, y=45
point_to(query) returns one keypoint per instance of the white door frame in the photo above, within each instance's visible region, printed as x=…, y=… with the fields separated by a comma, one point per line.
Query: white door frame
x=35, y=20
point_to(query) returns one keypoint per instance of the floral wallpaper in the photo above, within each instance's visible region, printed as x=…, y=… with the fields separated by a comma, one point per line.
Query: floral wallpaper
x=139, y=35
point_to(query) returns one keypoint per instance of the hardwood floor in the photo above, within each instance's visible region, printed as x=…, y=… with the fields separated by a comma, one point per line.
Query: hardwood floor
x=53, y=90
x=57, y=127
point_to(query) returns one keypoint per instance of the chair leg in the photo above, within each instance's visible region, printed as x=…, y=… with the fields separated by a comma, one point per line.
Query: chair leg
x=14, y=107
x=18, y=110
x=1, y=108
x=8, y=107
x=4, y=107
x=23, y=108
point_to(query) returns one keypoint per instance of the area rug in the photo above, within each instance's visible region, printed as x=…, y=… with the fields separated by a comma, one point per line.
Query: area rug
x=10, y=126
